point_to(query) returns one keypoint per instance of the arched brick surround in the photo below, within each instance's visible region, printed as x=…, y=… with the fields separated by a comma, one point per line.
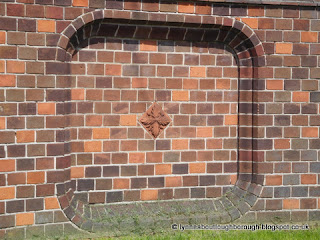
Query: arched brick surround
x=245, y=45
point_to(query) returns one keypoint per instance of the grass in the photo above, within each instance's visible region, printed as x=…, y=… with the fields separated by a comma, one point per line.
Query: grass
x=313, y=233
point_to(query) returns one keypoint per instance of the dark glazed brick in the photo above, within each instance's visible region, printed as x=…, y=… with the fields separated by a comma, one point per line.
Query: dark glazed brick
x=156, y=182
x=171, y=157
x=180, y=169
x=44, y=217
x=93, y=172
x=8, y=23
x=34, y=204
x=16, y=151
x=291, y=155
x=131, y=195
x=197, y=192
x=281, y=192
x=299, y=191
x=111, y=171
x=207, y=180
x=138, y=183
x=114, y=197
x=163, y=145
x=128, y=170
x=15, y=206
x=96, y=4
x=315, y=167
x=85, y=184
x=7, y=221
x=104, y=184
x=314, y=191
x=315, y=96
x=165, y=194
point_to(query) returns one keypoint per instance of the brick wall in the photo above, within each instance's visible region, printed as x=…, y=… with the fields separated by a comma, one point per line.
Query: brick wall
x=82, y=84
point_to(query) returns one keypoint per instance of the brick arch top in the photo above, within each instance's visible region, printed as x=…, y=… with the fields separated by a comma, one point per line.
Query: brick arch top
x=237, y=35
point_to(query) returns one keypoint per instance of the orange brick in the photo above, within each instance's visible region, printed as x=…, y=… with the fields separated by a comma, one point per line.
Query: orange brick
x=180, y=95
x=15, y=67
x=284, y=48
x=2, y=66
x=255, y=11
x=291, y=203
x=174, y=181
x=113, y=69
x=179, y=144
x=308, y=179
x=101, y=133
x=2, y=123
x=186, y=7
x=197, y=71
x=309, y=37
x=204, y=132
x=231, y=120
x=137, y=157
x=121, y=183
x=35, y=177
x=77, y=172
x=273, y=180
x=46, y=108
x=7, y=193
x=251, y=22
x=149, y=195
x=223, y=84
x=197, y=167
x=93, y=146
x=80, y=3
x=233, y=178
x=275, y=84
x=128, y=120
x=77, y=94
x=310, y=132
x=7, y=165
x=2, y=37
x=139, y=82
x=51, y=203
x=190, y=83
x=7, y=80
x=163, y=169
x=300, y=97
x=282, y=143
x=46, y=26
x=23, y=219
x=25, y=136
x=148, y=45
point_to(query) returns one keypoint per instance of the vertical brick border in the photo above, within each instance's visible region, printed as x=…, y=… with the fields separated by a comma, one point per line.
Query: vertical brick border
x=250, y=55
